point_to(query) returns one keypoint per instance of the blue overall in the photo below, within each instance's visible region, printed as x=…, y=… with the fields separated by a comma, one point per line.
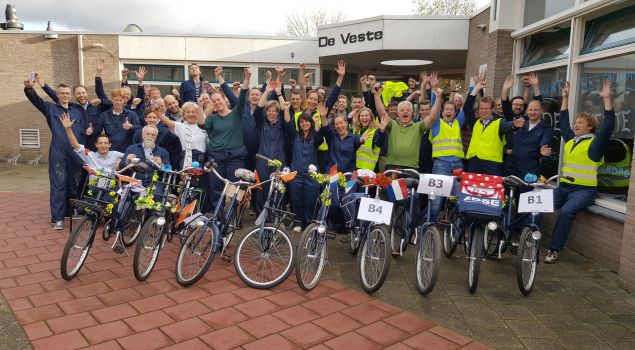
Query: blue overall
x=105, y=101
x=187, y=90
x=112, y=125
x=304, y=190
x=250, y=132
x=271, y=145
x=64, y=165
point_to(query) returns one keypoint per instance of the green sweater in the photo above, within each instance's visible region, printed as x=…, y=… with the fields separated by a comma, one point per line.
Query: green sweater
x=226, y=132
x=404, y=143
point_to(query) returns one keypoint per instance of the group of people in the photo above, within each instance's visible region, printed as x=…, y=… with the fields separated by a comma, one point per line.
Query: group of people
x=230, y=124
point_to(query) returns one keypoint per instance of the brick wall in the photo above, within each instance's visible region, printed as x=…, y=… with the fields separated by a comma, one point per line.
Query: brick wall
x=58, y=62
x=478, y=39
x=627, y=256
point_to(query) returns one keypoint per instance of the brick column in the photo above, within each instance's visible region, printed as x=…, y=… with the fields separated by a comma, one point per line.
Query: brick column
x=626, y=270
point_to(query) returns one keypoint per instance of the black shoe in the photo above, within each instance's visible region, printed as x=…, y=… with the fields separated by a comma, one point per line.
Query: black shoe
x=119, y=249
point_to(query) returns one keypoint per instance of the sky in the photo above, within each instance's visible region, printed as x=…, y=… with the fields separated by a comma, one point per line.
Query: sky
x=190, y=16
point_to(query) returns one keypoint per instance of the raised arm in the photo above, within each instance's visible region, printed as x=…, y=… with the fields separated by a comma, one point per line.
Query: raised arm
x=168, y=122
x=600, y=144
x=47, y=89
x=535, y=82
x=436, y=109
x=229, y=93
x=99, y=84
x=240, y=106
x=381, y=110
x=33, y=97
x=303, y=79
x=335, y=92
x=565, y=127
x=68, y=126
x=507, y=105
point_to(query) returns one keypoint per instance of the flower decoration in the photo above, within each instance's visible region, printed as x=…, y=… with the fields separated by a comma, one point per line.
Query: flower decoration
x=382, y=180
x=275, y=163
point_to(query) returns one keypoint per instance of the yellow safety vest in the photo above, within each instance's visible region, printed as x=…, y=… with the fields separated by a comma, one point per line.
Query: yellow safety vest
x=367, y=154
x=448, y=142
x=486, y=144
x=324, y=146
x=616, y=174
x=577, y=164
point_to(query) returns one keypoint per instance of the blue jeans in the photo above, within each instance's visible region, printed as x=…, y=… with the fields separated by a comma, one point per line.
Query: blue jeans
x=570, y=199
x=443, y=167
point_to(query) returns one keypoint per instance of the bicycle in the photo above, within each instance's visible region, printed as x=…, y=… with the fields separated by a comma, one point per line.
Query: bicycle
x=166, y=216
x=425, y=236
x=95, y=206
x=207, y=236
x=371, y=236
x=265, y=256
x=312, y=251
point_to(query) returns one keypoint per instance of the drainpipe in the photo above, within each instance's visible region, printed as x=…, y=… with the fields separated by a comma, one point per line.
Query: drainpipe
x=80, y=54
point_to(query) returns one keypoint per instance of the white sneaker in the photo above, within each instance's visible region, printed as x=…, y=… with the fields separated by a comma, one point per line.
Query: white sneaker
x=552, y=257
x=297, y=229
x=59, y=225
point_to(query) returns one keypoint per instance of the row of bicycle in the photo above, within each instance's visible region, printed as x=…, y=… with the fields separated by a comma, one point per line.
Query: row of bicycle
x=483, y=218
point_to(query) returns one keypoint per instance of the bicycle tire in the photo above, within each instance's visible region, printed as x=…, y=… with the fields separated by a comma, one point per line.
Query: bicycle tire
x=474, y=260
x=398, y=232
x=429, y=252
x=85, y=227
x=151, y=239
x=132, y=223
x=310, y=242
x=249, y=249
x=451, y=231
x=375, y=248
x=204, y=241
x=526, y=261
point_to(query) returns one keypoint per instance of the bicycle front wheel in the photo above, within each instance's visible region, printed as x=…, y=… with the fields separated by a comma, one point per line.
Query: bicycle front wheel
x=451, y=230
x=428, y=259
x=77, y=247
x=374, y=261
x=398, y=232
x=526, y=261
x=196, y=255
x=132, y=224
x=147, y=250
x=475, y=258
x=264, y=258
x=311, y=257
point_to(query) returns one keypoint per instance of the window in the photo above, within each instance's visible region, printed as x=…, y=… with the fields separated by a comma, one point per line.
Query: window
x=614, y=174
x=165, y=89
x=230, y=74
x=550, y=82
x=156, y=72
x=611, y=30
x=536, y=10
x=292, y=73
x=29, y=138
x=350, y=84
x=547, y=46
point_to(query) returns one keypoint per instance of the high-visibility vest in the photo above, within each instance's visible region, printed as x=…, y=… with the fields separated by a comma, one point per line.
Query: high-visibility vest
x=577, y=164
x=486, y=144
x=447, y=143
x=616, y=174
x=367, y=154
x=324, y=146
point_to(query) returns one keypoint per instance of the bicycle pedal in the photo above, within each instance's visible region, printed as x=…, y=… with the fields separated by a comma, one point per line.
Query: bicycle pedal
x=226, y=257
x=119, y=249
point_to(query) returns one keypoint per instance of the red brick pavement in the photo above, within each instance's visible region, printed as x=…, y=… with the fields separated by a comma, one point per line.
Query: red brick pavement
x=106, y=308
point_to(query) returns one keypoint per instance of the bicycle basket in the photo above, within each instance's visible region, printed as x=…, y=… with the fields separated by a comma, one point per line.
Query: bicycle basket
x=481, y=194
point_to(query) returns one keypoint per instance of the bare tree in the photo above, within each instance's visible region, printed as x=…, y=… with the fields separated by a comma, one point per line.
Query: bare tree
x=444, y=7
x=306, y=23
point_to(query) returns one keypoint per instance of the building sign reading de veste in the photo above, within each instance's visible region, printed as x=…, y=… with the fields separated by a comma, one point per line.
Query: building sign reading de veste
x=351, y=38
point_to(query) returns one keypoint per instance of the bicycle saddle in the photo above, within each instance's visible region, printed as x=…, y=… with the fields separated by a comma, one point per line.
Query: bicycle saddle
x=410, y=182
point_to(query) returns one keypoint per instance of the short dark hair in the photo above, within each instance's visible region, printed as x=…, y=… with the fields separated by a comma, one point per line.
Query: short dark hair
x=517, y=98
x=295, y=92
x=63, y=86
x=487, y=99
x=357, y=96
x=393, y=104
x=193, y=64
x=78, y=86
x=100, y=136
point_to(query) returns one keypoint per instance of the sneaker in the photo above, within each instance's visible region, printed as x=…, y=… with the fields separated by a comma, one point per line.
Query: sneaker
x=552, y=257
x=119, y=249
x=297, y=229
x=59, y=225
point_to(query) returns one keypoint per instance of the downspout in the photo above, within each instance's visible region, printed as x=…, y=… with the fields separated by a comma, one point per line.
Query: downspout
x=80, y=54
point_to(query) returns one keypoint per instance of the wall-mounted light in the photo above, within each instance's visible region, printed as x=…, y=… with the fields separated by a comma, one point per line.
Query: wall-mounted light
x=292, y=54
x=100, y=46
x=49, y=31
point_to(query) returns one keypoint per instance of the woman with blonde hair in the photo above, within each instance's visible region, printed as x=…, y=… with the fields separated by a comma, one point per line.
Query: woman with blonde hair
x=364, y=123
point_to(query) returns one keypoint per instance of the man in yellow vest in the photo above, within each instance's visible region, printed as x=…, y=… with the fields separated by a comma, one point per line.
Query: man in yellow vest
x=583, y=153
x=485, y=153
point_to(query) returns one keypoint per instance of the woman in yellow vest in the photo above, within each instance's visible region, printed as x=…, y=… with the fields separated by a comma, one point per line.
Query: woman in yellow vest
x=367, y=155
x=582, y=155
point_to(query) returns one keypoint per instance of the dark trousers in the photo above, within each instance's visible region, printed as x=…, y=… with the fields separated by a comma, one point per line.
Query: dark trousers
x=570, y=199
x=304, y=194
x=65, y=178
x=480, y=166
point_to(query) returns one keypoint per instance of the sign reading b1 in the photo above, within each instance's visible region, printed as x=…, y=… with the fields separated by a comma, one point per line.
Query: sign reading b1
x=349, y=38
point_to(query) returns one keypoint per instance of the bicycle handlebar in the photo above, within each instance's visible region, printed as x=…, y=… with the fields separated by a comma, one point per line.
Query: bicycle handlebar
x=546, y=184
x=402, y=172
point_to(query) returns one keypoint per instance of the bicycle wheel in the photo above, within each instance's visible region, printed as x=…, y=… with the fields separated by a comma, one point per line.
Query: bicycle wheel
x=526, y=261
x=374, y=261
x=428, y=259
x=147, y=250
x=494, y=239
x=398, y=232
x=132, y=223
x=311, y=257
x=474, y=260
x=77, y=247
x=451, y=229
x=196, y=255
x=354, y=237
x=264, y=259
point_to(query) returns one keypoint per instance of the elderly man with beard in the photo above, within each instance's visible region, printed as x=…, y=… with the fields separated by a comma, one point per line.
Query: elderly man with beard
x=147, y=151
x=64, y=166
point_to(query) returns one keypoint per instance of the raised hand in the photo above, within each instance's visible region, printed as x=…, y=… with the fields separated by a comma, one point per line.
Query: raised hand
x=519, y=122
x=545, y=151
x=302, y=66
x=321, y=107
x=101, y=65
x=286, y=105
x=307, y=78
x=564, y=89
x=175, y=92
x=363, y=80
x=140, y=73
x=371, y=80
x=377, y=88
x=124, y=73
x=434, y=81
x=439, y=94
x=509, y=83
x=95, y=102
x=126, y=125
x=533, y=79
x=605, y=91
x=292, y=83
x=135, y=102
x=89, y=130
x=268, y=76
x=525, y=80
x=281, y=70
x=385, y=119
x=38, y=79
x=453, y=86
x=341, y=68
x=214, y=89
x=364, y=138
x=206, y=85
x=271, y=85
x=66, y=121
x=28, y=83
x=424, y=78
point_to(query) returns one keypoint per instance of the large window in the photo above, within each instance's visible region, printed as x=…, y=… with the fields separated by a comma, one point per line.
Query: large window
x=547, y=46
x=292, y=73
x=614, y=174
x=611, y=30
x=156, y=72
x=536, y=10
x=230, y=74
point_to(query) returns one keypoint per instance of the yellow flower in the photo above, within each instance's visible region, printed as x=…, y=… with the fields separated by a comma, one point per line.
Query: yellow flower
x=112, y=193
x=113, y=183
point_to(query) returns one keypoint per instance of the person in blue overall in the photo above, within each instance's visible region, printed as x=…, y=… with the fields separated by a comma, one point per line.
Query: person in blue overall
x=64, y=165
x=191, y=89
x=343, y=146
x=118, y=123
x=303, y=189
x=226, y=147
x=127, y=93
x=272, y=133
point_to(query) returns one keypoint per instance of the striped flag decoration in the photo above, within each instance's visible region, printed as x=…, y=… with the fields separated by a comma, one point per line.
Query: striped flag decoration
x=334, y=178
x=351, y=183
x=397, y=190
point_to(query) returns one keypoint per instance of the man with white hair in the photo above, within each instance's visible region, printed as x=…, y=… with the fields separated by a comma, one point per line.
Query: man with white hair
x=147, y=151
